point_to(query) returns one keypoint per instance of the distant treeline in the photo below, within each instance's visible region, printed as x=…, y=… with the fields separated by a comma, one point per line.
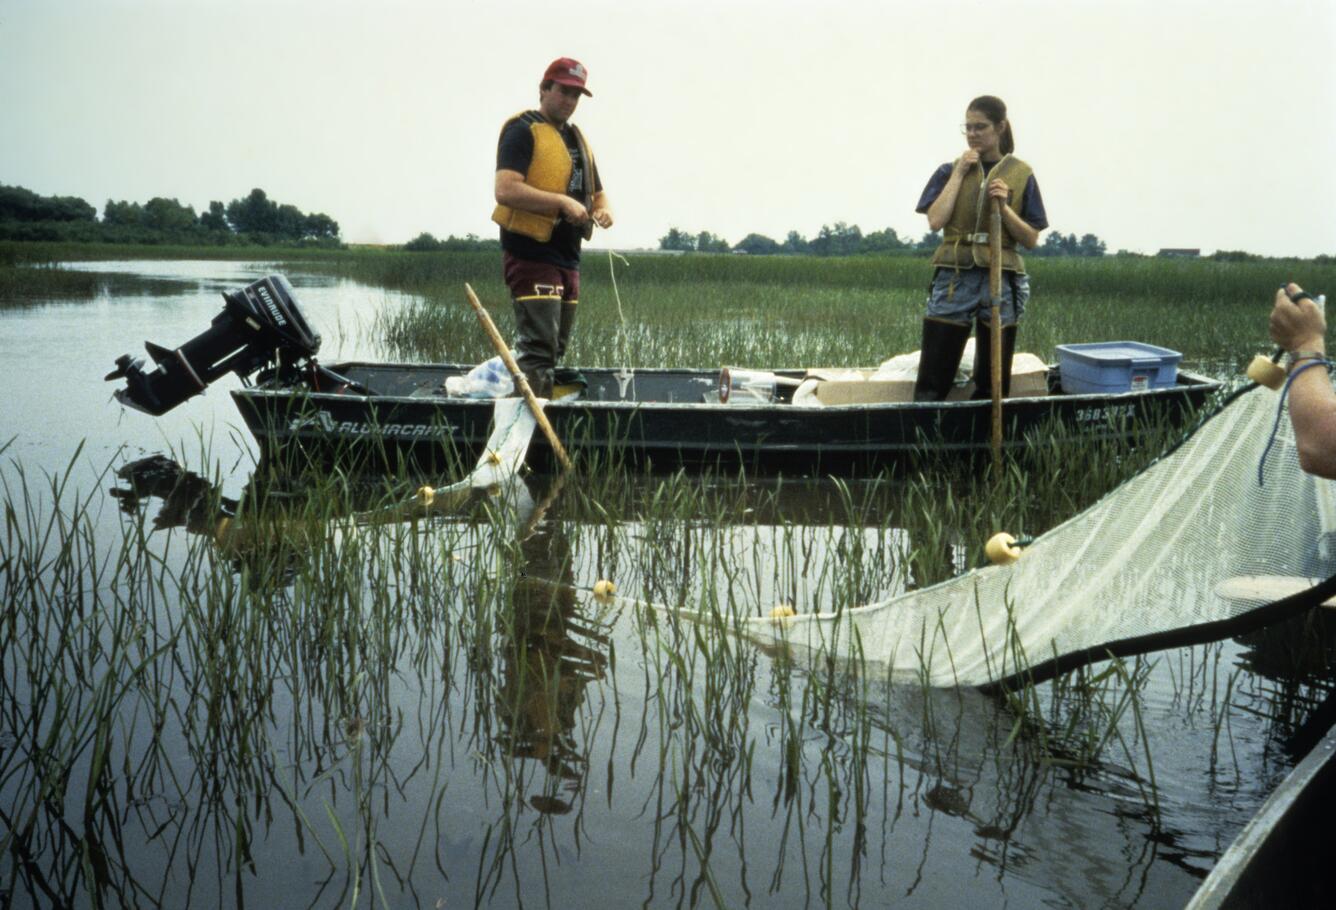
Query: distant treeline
x=254, y=219
x=469, y=243
x=841, y=239
x=838, y=239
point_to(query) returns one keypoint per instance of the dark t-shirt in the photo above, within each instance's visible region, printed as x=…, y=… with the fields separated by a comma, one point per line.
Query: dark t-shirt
x=514, y=152
x=1031, y=208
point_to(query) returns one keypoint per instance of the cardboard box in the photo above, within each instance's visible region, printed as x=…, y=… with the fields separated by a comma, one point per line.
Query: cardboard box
x=1029, y=379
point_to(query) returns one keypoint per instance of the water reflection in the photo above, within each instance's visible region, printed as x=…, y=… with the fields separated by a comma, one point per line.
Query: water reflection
x=550, y=650
x=551, y=654
x=188, y=500
x=1292, y=667
x=432, y=699
x=212, y=274
x=265, y=540
x=34, y=286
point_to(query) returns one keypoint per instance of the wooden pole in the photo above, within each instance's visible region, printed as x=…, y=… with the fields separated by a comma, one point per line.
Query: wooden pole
x=995, y=336
x=521, y=382
x=544, y=504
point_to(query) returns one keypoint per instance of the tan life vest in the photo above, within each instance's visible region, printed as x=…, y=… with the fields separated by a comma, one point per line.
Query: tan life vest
x=965, y=235
x=550, y=170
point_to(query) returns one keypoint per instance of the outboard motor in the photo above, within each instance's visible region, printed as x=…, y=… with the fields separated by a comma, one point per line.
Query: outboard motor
x=260, y=325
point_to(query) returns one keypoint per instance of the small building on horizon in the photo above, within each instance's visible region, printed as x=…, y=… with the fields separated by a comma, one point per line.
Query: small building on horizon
x=1175, y=252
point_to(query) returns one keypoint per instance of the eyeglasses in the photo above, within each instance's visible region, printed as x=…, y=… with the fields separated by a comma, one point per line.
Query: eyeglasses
x=971, y=128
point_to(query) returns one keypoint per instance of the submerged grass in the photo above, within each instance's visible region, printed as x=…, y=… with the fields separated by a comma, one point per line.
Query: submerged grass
x=172, y=696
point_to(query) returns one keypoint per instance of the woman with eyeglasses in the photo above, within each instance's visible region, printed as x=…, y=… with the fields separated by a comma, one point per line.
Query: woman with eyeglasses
x=957, y=201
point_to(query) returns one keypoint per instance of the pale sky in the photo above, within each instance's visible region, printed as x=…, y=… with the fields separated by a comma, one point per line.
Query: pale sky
x=1152, y=123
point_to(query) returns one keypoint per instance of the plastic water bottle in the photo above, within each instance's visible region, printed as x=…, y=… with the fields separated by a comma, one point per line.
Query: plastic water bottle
x=489, y=379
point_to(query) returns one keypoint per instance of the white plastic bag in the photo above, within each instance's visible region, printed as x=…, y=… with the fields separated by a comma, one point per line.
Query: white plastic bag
x=904, y=367
x=489, y=379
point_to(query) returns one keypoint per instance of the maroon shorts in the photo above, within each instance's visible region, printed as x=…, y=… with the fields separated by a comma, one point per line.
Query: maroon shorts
x=527, y=278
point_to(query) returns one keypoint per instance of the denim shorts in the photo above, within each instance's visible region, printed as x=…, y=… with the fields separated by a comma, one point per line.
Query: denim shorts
x=962, y=296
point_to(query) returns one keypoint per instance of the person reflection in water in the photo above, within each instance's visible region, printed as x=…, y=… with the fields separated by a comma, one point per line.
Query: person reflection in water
x=550, y=657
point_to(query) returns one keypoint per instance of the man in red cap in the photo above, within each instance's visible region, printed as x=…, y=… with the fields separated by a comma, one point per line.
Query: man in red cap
x=549, y=197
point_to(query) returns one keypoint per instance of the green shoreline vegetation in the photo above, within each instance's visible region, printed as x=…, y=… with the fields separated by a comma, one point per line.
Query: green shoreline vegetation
x=706, y=310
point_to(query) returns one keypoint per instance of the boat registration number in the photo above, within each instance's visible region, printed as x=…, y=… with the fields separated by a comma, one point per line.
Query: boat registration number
x=1106, y=413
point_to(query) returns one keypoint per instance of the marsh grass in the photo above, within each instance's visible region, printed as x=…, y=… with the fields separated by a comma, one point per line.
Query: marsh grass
x=436, y=707
x=206, y=684
x=174, y=697
x=707, y=310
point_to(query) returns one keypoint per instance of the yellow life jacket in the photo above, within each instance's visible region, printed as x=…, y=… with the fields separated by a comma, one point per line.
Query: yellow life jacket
x=550, y=170
x=965, y=235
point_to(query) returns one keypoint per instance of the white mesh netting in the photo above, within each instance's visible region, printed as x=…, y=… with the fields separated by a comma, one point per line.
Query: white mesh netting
x=1165, y=554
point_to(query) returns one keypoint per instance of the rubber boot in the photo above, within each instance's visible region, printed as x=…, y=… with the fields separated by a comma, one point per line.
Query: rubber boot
x=537, y=326
x=939, y=357
x=983, y=359
x=564, y=326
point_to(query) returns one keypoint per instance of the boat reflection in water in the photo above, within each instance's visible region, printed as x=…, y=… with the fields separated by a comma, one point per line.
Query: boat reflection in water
x=188, y=500
x=262, y=531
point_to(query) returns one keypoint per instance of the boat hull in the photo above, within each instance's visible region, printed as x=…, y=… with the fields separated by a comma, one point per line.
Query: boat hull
x=663, y=420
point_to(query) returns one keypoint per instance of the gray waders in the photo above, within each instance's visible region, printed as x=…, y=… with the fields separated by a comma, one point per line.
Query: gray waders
x=564, y=329
x=539, y=340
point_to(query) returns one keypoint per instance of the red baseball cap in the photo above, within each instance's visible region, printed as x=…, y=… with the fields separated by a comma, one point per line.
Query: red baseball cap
x=565, y=71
